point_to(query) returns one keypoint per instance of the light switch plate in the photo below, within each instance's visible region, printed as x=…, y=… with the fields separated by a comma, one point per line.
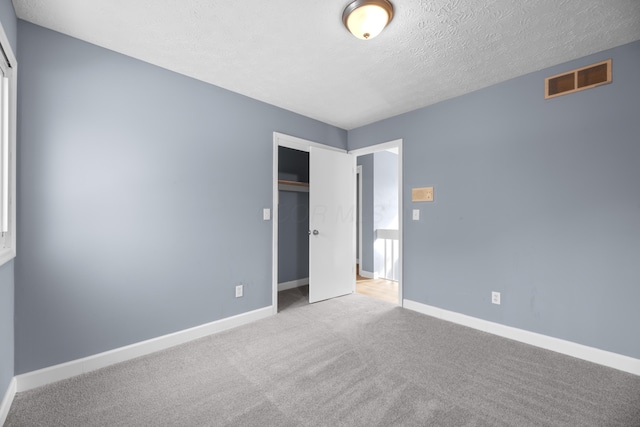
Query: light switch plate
x=416, y=214
x=266, y=214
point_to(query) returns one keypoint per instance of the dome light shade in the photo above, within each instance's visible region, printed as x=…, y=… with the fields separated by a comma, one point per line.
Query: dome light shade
x=367, y=18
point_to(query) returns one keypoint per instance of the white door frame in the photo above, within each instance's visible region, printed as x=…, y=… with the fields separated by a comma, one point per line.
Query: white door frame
x=283, y=140
x=385, y=146
x=359, y=225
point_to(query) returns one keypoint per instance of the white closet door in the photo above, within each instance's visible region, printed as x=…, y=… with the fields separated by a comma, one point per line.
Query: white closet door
x=332, y=223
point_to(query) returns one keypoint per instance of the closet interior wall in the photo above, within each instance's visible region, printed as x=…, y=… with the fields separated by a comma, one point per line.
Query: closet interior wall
x=293, y=217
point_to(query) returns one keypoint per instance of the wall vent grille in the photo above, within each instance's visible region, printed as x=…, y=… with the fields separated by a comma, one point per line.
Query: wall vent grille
x=578, y=79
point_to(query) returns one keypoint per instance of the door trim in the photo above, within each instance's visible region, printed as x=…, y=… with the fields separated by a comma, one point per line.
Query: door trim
x=391, y=145
x=283, y=140
x=359, y=226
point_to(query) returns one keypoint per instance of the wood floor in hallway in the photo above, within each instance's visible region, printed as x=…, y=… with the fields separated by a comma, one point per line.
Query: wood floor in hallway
x=386, y=290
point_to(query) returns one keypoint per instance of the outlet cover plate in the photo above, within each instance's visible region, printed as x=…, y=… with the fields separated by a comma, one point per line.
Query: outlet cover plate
x=495, y=298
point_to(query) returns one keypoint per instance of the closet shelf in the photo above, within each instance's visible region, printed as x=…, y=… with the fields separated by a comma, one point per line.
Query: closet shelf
x=284, y=185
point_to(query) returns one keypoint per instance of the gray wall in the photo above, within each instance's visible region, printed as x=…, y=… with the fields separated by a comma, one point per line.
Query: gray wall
x=9, y=24
x=140, y=197
x=293, y=236
x=385, y=202
x=366, y=263
x=6, y=326
x=293, y=165
x=537, y=199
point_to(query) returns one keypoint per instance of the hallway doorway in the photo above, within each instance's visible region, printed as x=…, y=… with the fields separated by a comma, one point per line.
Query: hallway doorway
x=379, y=221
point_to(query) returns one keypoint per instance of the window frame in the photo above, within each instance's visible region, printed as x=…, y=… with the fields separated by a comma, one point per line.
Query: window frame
x=9, y=66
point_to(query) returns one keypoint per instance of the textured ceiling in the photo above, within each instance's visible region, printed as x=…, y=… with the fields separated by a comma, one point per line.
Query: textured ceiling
x=297, y=55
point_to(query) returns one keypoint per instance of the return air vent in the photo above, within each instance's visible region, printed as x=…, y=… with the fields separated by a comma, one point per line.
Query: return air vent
x=579, y=79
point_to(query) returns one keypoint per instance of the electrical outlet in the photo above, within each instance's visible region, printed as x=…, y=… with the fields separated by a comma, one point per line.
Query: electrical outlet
x=239, y=291
x=495, y=298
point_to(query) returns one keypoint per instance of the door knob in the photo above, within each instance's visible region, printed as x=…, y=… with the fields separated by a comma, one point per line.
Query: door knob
x=315, y=232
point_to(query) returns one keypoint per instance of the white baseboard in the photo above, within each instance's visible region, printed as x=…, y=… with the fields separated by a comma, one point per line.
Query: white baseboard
x=369, y=275
x=7, y=400
x=591, y=354
x=91, y=363
x=292, y=284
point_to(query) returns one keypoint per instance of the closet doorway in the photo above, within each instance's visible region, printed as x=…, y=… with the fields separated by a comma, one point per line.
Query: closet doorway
x=330, y=213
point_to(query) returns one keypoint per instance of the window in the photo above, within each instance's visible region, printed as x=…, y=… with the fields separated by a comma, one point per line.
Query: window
x=8, y=73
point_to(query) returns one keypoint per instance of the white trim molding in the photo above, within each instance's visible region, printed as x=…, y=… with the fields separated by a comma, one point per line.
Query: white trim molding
x=369, y=275
x=7, y=400
x=283, y=140
x=292, y=284
x=569, y=348
x=359, y=204
x=394, y=146
x=70, y=369
x=8, y=152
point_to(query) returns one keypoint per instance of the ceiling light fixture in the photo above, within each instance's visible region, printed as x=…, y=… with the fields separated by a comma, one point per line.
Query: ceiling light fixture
x=367, y=18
